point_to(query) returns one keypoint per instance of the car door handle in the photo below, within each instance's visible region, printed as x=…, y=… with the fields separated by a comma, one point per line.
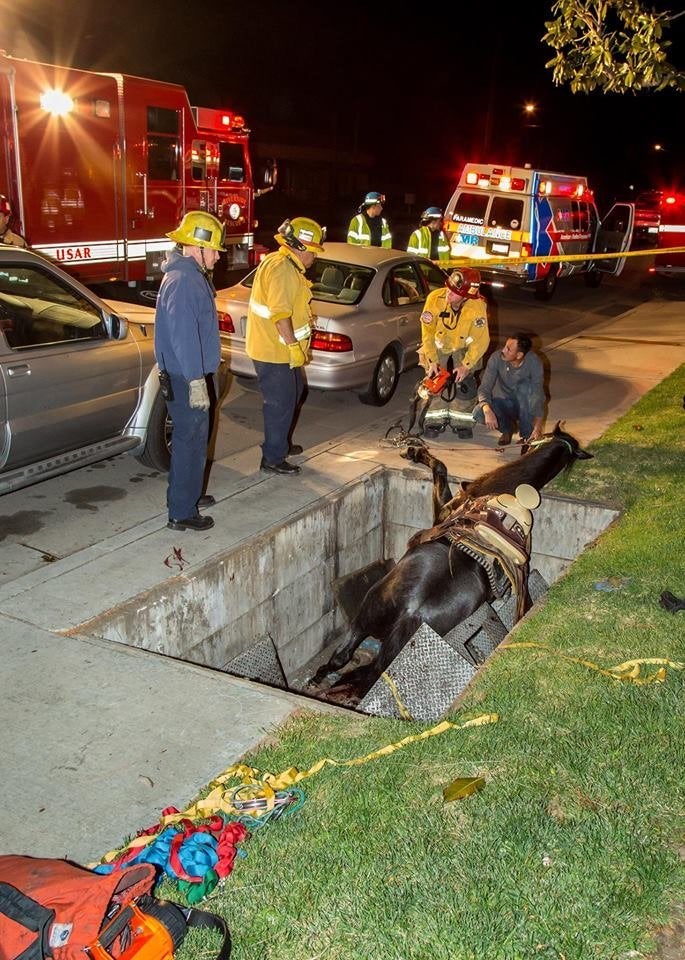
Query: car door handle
x=22, y=370
x=404, y=321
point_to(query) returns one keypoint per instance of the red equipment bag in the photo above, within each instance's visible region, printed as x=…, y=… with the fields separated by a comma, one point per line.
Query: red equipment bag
x=53, y=908
x=56, y=909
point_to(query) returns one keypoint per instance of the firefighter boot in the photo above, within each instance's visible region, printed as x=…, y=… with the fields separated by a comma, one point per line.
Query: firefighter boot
x=435, y=422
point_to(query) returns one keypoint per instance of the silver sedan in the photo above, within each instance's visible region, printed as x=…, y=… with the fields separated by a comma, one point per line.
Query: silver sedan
x=78, y=379
x=367, y=303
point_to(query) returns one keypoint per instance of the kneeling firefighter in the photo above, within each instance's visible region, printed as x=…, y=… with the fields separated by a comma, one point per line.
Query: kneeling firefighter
x=454, y=338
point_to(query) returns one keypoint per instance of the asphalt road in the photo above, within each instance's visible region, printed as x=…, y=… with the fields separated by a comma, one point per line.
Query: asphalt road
x=57, y=517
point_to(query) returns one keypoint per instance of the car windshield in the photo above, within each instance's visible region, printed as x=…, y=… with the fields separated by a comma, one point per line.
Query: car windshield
x=333, y=281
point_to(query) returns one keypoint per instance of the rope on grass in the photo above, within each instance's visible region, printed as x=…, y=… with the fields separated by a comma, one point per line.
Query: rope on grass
x=629, y=671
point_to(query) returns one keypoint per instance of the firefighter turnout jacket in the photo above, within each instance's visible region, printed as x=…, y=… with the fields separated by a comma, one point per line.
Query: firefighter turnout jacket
x=11, y=239
x=421, y=242
x=359, y=231
x=280, y=290
x=460, y=329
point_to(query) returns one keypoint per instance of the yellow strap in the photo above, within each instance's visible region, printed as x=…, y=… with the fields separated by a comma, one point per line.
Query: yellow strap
x=404, y=713
x=630, y=670
x=217, y=801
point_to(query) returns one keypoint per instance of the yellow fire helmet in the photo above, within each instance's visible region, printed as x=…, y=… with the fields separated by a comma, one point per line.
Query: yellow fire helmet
x=301, y=233
x=199, y=229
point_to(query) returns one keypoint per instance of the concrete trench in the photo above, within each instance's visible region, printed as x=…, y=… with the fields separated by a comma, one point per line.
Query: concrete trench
x=266, y=608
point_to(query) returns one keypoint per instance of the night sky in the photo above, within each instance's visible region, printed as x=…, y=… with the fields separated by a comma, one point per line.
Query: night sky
x=421, y=91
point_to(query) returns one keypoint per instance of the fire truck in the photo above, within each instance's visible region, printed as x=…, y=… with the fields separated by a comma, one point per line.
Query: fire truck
x=505, y=214
x=671, y=234
x=100, y=166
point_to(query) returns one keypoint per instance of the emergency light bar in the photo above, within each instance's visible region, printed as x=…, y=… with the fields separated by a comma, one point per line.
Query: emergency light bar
x=208, y=119
x=495, y=179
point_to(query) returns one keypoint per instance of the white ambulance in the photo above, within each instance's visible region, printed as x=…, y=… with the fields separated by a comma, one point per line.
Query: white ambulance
x=503, y=214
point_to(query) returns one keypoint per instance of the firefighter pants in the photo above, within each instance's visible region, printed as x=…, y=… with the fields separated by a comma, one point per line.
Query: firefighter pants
x=509, y=411
x=188, y=452
x=281, y=388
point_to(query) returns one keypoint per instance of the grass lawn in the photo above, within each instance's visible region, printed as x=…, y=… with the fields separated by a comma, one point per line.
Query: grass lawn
x=574, y=847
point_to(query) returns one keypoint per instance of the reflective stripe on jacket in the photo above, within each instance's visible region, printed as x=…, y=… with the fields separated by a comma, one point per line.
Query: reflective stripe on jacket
x=359, y=233
x=420, y=243
x=280, y=290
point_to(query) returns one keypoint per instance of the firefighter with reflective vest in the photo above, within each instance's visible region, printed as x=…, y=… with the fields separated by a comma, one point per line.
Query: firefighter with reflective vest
x=279, y=329
x=429, y=240
x=368, y=227
x=454, y=339
x=7, y=236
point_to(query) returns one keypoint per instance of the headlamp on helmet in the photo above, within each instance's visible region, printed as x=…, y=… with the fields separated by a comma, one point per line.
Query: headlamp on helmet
x=465, y=282
x=302, y=234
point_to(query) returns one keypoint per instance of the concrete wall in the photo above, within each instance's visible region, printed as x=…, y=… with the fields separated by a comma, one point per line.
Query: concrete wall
x=277, y=585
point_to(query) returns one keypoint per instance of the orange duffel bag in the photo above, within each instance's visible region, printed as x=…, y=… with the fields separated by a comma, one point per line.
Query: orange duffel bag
x=57, y=909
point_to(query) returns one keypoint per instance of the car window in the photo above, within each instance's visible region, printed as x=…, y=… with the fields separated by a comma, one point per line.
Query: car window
x=336, y=282
x=37, y=309
x=433, y=276
x=402, y=286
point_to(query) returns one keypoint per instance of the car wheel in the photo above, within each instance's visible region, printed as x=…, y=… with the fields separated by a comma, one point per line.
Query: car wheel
x=544, y=289
x=384, y=379
x=157, y=450
x=593, y=278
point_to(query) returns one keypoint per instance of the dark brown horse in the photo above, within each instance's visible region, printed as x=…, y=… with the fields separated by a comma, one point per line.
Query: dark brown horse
x=431, y=583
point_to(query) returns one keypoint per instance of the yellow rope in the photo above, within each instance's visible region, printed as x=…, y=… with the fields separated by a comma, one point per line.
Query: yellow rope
x=630, y=670
x=218, y=800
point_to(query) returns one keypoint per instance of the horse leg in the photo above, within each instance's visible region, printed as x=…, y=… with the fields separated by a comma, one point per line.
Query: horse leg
x=441, y=488
x=341, y=656
x=363, y=678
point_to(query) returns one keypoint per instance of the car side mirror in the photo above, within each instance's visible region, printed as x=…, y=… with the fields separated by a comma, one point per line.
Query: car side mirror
x=117, y=327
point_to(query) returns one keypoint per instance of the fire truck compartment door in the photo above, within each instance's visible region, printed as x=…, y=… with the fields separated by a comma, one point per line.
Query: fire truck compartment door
x=614, y=235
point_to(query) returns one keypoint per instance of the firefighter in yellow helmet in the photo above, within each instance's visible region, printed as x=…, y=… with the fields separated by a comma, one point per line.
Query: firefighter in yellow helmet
x=279, y=328
x=188, y=353
x=454, y=338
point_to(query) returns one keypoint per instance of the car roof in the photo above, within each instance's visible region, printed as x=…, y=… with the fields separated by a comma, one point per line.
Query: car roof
x=363, y=256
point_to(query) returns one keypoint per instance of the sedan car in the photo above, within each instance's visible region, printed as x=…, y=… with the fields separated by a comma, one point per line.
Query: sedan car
x=78, y=380
x=367, y=304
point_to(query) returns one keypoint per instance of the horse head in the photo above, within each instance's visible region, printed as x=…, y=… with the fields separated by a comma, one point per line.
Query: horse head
x=558, y=433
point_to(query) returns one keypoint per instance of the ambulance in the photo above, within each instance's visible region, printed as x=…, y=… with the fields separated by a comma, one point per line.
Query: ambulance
x=98, y=167
x=499, y=215
x=671, y=234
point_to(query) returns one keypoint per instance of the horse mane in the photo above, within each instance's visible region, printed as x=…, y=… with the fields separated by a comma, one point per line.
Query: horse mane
x=554, y=452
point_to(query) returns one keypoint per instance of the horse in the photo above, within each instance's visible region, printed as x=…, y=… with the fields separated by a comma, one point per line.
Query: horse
x=433, y=583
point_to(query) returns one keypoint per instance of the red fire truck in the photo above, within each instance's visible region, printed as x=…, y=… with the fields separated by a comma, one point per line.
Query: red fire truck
x=100, y=166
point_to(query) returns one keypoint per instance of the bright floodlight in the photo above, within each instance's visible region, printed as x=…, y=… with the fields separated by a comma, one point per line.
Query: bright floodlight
x=56, y=102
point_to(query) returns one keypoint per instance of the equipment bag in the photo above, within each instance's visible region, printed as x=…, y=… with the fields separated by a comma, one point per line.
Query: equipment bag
x=56, y=909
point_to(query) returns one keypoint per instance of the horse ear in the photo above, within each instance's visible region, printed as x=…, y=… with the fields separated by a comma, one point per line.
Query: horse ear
x=584, y=455
x=558, y=427
x=465, y=484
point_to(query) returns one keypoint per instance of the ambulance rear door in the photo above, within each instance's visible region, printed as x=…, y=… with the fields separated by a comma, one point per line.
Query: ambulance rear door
x=614, y=235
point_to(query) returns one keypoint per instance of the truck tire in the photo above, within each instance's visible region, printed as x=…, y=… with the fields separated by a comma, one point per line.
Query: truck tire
x=157, y=450
x=544, y=289
x=384, y=380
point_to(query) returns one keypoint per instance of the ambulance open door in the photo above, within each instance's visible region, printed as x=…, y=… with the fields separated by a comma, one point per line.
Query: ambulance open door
x=614, y=235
